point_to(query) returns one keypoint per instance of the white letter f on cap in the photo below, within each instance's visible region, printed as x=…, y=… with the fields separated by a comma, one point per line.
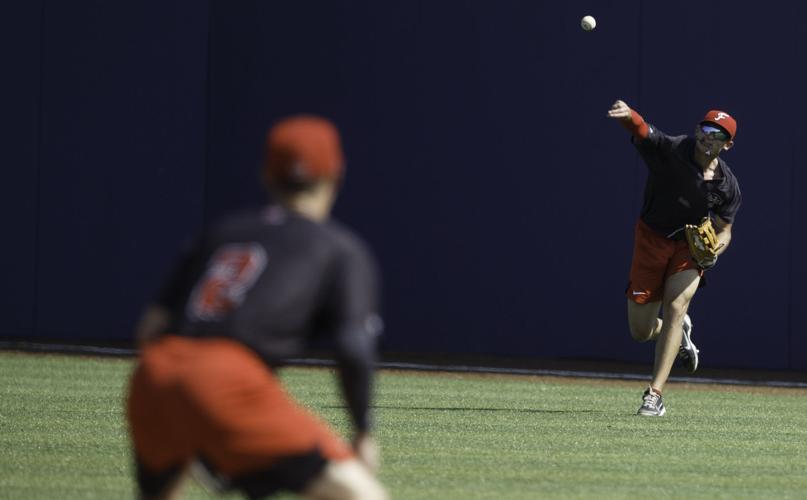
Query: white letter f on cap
x=721, y=116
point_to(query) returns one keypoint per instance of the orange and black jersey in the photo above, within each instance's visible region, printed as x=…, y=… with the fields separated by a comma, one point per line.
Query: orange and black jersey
x=275, y=281
x=676, y=192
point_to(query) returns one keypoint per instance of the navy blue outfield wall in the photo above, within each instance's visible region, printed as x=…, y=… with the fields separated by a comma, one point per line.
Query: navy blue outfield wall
x=498, y=197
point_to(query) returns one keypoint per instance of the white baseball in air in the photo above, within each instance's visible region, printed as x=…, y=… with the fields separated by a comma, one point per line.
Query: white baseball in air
x=588, y=23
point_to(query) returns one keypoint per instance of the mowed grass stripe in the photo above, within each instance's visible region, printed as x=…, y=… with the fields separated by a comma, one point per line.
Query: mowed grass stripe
x=443, y=435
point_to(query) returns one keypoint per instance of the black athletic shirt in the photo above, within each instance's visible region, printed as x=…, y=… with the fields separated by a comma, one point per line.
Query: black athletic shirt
x=274, y=281
x=676, y=193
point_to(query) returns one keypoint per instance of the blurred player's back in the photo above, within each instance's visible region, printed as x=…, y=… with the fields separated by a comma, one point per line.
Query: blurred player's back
x=271, y=279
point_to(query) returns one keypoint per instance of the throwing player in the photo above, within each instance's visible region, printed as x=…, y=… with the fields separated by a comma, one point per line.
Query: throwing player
x=251, y=292
x=687, y=181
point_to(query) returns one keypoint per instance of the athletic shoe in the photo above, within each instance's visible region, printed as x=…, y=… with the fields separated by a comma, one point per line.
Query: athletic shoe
x=652, y=404
x=688, y=353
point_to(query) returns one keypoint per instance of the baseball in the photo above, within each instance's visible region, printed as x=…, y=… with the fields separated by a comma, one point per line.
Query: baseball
x=588, y=23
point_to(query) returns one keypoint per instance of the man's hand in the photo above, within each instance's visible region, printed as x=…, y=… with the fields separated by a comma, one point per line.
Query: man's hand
x=703, y=243
x=367, y=451
x=620, y=111
x=152, y=324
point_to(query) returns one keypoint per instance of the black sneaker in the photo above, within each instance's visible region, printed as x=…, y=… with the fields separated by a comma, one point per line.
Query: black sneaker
x=652, y=404
x=688, y=353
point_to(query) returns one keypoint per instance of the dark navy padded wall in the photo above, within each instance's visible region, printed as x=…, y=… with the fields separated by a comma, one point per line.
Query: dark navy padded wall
x=794, y=105
x=20, y=32
x=482, y=168
x=122, y=142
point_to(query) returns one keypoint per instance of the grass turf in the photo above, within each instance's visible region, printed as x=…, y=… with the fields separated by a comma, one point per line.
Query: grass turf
x=444, y=436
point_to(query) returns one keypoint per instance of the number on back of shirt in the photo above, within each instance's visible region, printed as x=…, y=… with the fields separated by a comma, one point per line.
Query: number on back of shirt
x=231, y=272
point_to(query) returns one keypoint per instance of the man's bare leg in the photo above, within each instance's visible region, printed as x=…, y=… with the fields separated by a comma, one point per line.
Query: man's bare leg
x=678, y=292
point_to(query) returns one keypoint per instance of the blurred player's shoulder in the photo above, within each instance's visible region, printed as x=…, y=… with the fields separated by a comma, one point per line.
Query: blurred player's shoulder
x=276, y=223
x=353, y=260
x=346, y=240
x=250, y=221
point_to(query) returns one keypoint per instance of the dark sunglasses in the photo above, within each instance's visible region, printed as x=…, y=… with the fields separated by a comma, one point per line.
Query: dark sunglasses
x=714, y=132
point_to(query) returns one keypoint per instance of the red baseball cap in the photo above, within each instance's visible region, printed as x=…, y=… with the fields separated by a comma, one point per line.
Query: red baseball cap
x=722, y=120
x=303, y=149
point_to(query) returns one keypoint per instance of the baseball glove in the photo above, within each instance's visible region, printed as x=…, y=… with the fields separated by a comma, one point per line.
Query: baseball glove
x=703, y=243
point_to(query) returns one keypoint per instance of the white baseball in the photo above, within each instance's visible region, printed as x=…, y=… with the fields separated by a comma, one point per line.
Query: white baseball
x=588, y=23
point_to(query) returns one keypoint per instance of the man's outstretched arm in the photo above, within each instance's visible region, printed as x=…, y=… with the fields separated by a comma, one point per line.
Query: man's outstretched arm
x=630, y=119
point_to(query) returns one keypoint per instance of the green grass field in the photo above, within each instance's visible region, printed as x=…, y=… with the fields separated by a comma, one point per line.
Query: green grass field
x=444, y=436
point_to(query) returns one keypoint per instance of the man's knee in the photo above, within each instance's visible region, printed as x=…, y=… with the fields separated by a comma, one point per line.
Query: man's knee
x=345, y=480
x=642, y=331
x=677, y=308
x=680, y=304
x=643, y=320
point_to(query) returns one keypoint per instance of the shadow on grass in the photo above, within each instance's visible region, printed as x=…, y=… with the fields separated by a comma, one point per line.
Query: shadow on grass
x=467, y=408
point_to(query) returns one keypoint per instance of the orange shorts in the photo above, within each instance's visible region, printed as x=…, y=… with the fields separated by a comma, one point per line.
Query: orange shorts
x=655, y=258
x=216, y=400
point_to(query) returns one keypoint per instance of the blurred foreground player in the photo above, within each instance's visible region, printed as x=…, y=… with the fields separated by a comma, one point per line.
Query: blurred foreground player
x=687, y=184
x=251, y=292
